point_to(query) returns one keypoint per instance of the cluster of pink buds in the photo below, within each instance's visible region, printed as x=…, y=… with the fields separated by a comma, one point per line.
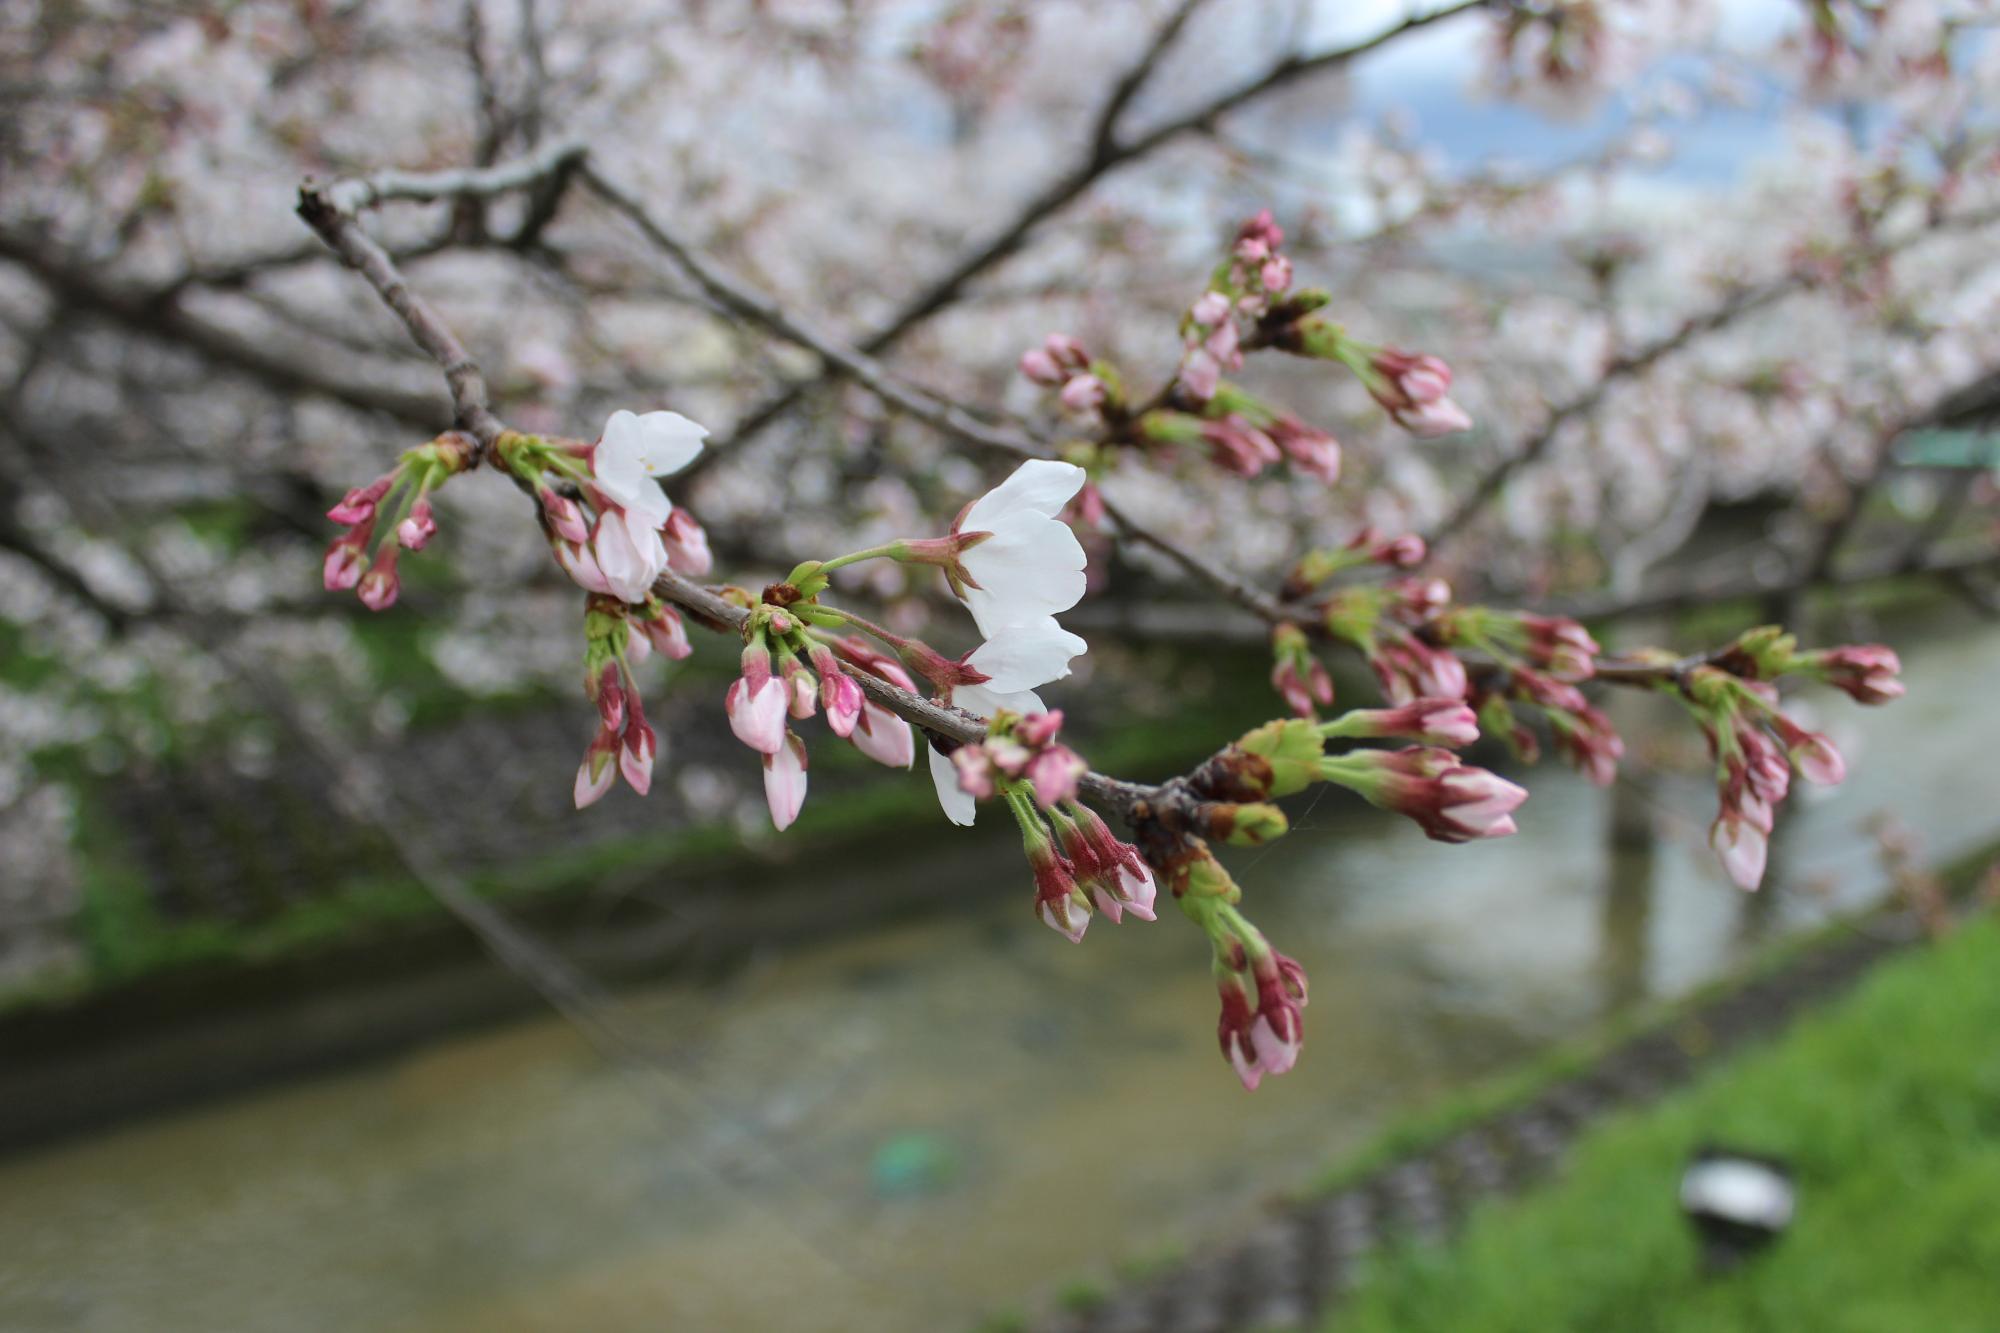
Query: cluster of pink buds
x=1020, y=749
x=791, y=670
x=1060, y=363
x=1387, y=624
x=1452, y=801
x=1583, y=735
x=1537, y=659
x=1413, y=388
x=405, y=491
x=1366, y=547
x=1080, y=867
x=1297, y=674
x=1756, y=747
x=1240, y=295
x=619, y=635
x=1115, y=875
x=633, y=532
x=878, y=733
x=1261, y=1030
x=1244, y=436
x=1518, y=639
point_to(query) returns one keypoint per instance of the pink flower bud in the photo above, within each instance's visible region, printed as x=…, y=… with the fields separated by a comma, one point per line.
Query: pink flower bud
x=1260, y=1030
x=1038, y=729
x=801, y=689
x=1239, y=447
x=564, y=515
x=1083, y=394
x=1224, y=345
x=639, y=747
x=1088, y=508
x=1412, y=389
x=1310, y=450
x=1054, y=774
x=346, y=557
x=667, y=634
x=1448, y=722
x=1743, y=848
x=610, y=697
x=581, y=566
x=1449, y=799
x=1276, y=274
x=1041, y=368
x=757, y=711
x=1066, y=352
x=416, y=531
x=1302, y=682
x=884, y=737
x=842, y=699
x=975, y=771
x=1812, y=754
x=1211, y=309
x=1866, y=672
x=1405, y=552
x=358, y=505
x=1409, y=668
x=1429, y=420
x=598, y=772
x=1417, y=378
x=1200, y=375
x=1059, y=902
x=863, y=654
x=1561, y=644
x=785, y=781
x=687, y=545
x=1068, y=916
x=379, y=586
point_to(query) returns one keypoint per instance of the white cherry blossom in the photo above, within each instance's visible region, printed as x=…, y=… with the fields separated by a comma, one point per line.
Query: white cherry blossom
x=1031, y=565
x=1016, y=659
x=635, y=451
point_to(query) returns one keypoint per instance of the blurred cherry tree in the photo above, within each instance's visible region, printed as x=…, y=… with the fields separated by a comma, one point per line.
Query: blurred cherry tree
x=1528, y=288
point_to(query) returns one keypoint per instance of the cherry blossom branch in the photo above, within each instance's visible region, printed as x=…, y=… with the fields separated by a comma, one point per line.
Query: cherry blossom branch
x=552, y=161
x=1428, y=654
x=1104, y=154
x=735, y=296
x=329, y=211
x=940, y=720
x=319, y=207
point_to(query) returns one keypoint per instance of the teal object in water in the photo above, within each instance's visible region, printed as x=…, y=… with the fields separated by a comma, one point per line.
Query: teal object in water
x=912, y=1164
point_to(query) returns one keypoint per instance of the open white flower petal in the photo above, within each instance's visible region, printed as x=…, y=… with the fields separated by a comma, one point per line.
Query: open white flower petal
x=986, y=701
x=1040, y=485
x=629, y=553
x=667, y=442
x=1020, y=657
x=1031, y=567
x=959, y=807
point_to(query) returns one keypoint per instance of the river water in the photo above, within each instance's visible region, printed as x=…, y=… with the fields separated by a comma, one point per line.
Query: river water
x=912, y=1127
